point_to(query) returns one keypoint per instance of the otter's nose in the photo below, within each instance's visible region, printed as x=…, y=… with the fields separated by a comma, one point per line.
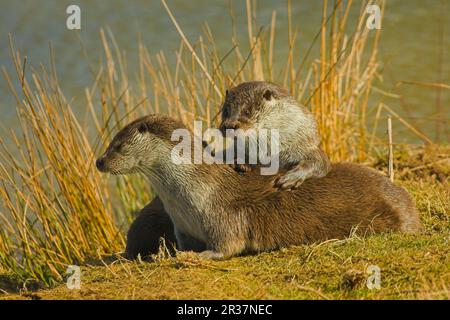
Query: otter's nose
x=100, y=164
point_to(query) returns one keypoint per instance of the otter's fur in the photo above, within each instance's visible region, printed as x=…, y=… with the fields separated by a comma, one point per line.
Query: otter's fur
x=145, y=233
x=264, y=105
x=235, y=214
x=150, y=226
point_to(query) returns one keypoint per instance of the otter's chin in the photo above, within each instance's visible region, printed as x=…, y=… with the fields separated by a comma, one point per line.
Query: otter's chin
x=244, y=126
x=236, y=125
x=119, y=172
x=123, y=171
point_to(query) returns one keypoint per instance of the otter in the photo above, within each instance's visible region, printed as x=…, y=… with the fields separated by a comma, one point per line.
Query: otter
x=150, y=226
x=264, y=105
x=236, y=214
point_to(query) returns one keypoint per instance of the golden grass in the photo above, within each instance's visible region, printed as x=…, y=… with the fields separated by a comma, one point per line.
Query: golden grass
x=58, y=210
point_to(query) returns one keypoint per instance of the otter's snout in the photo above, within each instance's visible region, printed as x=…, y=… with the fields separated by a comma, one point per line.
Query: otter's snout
x=100, y=164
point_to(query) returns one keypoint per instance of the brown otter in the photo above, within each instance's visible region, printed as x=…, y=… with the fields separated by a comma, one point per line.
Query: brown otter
x=264, y=105
x=235, y=214
x=147, y=229
x=152, y=224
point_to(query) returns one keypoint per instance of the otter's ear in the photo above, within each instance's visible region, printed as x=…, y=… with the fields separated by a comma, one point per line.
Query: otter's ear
x=268, y=94
x=142, y=127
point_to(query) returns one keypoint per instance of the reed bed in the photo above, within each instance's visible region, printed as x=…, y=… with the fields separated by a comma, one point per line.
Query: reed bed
x=58, y=210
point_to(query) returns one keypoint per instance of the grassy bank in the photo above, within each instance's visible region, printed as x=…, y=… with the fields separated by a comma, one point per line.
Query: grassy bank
x=412, y=266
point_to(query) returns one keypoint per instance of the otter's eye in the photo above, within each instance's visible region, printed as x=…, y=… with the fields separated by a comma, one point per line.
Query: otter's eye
x=268, y=94
x=142, y=128
x=118, y=148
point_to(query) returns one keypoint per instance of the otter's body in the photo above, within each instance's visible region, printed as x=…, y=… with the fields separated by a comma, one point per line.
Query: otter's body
x=243, y=213
x=263, y=105
x=239, y=213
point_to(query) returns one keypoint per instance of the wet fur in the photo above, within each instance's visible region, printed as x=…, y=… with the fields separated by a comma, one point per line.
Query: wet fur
x=264, y=105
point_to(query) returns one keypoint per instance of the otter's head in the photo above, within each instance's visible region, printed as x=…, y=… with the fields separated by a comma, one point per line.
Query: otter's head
x=139, y=145
x=248, y=102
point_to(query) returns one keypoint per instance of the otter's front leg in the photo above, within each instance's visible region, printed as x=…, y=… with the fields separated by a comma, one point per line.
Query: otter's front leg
x=222, y=246
x=316, y=165
x=212, y=255
x=293, y=178
x=187, y=243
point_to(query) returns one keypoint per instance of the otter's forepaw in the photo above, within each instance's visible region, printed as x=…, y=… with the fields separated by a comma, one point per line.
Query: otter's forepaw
x=242, y=168
x=212, y=255
x=298, y=183
x=288, y=182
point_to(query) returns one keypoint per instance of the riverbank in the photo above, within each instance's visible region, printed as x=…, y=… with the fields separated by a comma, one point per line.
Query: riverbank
x=411, y=266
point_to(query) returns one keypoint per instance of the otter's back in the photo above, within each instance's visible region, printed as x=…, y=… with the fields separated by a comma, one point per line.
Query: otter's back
x=356, y=192
x=351, y=197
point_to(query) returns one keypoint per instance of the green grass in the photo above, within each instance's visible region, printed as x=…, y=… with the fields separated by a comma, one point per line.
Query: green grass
x=411, y=267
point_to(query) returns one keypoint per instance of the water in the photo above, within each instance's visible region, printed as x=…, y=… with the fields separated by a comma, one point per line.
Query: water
x=412, y=47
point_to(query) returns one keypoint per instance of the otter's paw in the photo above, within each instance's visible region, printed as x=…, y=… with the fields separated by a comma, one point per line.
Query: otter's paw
x=288, y=182
x=242, y=168
x=298, y=183
x=212, y=255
